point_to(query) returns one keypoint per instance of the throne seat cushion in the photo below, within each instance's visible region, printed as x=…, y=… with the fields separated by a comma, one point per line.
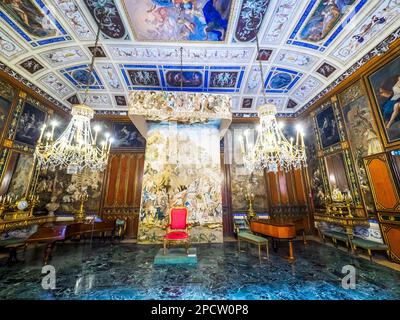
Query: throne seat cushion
x=178, y=218
x=176, y=235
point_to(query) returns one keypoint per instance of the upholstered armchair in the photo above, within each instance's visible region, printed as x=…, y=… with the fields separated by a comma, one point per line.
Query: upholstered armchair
x=177, y=228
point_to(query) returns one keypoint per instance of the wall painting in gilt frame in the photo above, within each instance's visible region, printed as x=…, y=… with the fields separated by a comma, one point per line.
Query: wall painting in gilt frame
x=385, y=88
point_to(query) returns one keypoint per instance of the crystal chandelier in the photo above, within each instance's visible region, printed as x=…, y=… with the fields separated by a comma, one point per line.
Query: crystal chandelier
x=272, y=151
x=75, y=149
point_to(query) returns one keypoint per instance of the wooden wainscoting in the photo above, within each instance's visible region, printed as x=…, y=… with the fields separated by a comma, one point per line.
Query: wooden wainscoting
x=390, y=226
x=227, y=220
x=123, y=189
x=383, y=188
x=287, y=196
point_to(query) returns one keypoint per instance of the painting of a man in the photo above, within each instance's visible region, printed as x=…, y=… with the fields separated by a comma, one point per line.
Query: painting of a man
x=327, y=128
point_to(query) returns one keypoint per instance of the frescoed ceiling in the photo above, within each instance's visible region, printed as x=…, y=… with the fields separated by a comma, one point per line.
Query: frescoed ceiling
x=304, y=47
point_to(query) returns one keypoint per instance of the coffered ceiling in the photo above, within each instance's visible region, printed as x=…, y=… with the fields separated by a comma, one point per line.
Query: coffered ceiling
x=305, y=46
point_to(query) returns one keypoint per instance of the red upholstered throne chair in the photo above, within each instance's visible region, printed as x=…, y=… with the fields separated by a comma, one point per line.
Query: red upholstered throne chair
x=177, y=229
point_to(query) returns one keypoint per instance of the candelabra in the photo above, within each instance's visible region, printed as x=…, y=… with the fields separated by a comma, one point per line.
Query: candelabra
x=6, y=202
x=250, y=211
x=249, y=195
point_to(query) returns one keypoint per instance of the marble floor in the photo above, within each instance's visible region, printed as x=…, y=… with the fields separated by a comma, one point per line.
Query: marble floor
x=126, y=271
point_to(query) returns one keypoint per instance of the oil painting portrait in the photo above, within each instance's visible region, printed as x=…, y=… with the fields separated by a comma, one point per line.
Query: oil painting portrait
x=29, y=125
x=327, y=127
x=385, y=85
x=126, y=135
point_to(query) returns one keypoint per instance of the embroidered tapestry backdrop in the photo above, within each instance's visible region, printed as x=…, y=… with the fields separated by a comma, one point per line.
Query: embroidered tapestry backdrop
x=182, y=168
x=362, y=134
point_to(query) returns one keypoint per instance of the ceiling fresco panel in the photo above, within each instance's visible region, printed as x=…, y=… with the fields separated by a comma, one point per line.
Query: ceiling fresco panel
x=33, y=21
x=295, y=59
x=75, y=18
x=9, y=48
x=58, y=87
x=251, y=16
x=322, y=22
x=80, y=77
x=306, y=88
x=307, y=47
x=279, y=102
x=177, y=20
x=100, y=100
x=110, y=76
x=280, y=80
x=280, y=20
x=64, y=56
x=190, y=78
x=172, y=53
x=106, y=14
x=381, y=17
x=140, y=77
x=254, y=81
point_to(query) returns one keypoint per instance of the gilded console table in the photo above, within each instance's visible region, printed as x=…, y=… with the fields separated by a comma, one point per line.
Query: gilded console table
x=348, y=222
x=7, y=225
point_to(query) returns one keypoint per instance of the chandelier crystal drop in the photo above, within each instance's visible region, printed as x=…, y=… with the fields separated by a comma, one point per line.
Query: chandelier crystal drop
x=75, y=149
x=272, y=151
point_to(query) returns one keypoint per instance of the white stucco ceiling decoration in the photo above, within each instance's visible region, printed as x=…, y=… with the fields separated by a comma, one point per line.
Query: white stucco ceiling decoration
x=305, y=46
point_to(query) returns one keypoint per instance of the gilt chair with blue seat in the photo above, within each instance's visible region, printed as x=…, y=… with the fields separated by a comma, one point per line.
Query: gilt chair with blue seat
x=177, y=228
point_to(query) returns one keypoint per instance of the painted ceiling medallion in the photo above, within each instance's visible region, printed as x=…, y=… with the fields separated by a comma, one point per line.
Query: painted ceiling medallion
x=177, y=20
x=264, y=54
x=186, y=78
x=326, y=69
x=251, y=17
x=31, y=65
x=144, y=78
x=97, y=51
x=120, y=100
x=106, y=13
x=247, y=103
x=73, y=99
x=291, y=104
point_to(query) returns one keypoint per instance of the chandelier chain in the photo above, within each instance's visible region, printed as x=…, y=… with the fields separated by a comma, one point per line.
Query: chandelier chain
x=96, y=43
